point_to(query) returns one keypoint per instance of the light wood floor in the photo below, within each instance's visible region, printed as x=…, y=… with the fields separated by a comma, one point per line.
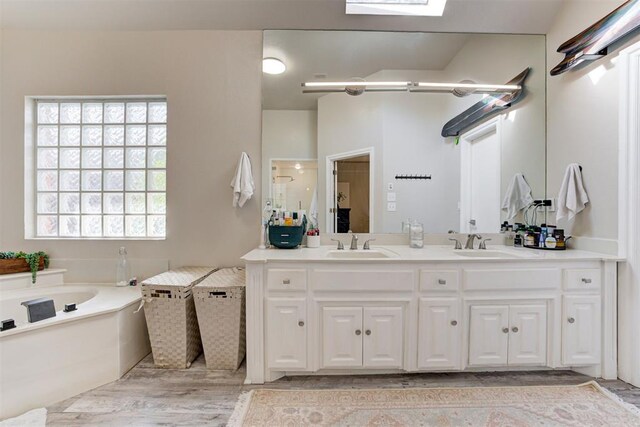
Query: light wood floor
x=147, y=396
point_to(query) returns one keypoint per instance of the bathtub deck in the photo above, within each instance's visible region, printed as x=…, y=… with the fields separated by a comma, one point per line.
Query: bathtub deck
x=147, y=396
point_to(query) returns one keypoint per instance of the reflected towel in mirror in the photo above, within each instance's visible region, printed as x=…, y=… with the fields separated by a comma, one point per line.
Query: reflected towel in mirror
x=517, y=197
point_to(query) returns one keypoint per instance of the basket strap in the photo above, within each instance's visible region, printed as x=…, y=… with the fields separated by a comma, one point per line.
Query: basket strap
x=142, y=301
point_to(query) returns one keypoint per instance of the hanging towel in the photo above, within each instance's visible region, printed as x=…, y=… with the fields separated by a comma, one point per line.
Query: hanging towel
x=242, y=182
x=313, y=208
x=572, y=197
x=518, y=196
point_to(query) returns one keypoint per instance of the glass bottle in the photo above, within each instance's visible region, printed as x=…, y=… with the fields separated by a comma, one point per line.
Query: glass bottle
x=416, y=235
x=123, y=273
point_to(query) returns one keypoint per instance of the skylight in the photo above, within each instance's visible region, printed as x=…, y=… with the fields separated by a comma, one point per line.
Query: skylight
x=396, y=7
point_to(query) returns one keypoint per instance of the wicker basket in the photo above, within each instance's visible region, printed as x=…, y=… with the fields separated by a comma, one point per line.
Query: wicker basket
x=171, y=316
x=220, y=303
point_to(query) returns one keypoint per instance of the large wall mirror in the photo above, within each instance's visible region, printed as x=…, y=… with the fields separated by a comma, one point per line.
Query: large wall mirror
x=367, y=159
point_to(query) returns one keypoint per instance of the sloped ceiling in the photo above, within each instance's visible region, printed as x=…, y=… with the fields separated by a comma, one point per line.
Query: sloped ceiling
x=492, y=16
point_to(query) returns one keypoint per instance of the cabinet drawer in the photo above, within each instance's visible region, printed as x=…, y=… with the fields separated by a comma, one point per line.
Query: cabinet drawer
x=286, y=280
x=362, y=280
x=440, y=280
x=520, y=279
x=582, y=280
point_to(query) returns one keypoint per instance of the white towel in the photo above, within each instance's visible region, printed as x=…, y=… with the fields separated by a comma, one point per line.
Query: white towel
x=242, y=182
x=518, y=196
x=572, y=197
x=313, y=208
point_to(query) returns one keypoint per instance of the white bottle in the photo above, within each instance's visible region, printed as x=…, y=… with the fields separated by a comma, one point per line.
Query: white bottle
x=123, y=273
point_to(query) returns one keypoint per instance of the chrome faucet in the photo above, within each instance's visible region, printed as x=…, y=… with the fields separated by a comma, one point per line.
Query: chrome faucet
x=366, y=246
x=354, y=243
x=458, y=244
x=340, y=245
x=470, y=239
x=483, y=244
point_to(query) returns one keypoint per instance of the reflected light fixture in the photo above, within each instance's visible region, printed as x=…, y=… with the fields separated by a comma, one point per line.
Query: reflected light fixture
x=273, y=66
x=391, y=86
x=396, y=7
x=298, y=166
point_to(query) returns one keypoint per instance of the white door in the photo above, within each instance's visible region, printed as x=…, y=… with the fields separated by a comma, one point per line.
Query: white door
x=489, y=335
x=342, y=337
x=439, y=333
x=287, y=333
x=383, y=337
x=528, y=335
x=480, y=179
x=581, y=330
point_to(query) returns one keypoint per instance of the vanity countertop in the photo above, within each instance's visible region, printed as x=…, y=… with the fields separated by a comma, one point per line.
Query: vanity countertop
x=430, y=253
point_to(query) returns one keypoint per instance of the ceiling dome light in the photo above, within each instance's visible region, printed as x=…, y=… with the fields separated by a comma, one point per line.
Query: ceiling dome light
x=273, y=66
x=298, y=166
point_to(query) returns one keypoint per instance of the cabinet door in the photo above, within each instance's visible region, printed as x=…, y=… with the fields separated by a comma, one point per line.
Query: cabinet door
x=528, y=334
x=581, y=330
x=439, y=332
x=383, y=337
x=342, y=337
x=488, y=335
x=287, y=333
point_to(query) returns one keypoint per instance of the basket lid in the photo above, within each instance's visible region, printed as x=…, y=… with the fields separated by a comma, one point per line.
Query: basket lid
x=225, y=277
x=184, y=276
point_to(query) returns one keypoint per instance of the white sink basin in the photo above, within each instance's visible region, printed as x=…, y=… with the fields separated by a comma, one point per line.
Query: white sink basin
x=359, y=254
x=484, y=254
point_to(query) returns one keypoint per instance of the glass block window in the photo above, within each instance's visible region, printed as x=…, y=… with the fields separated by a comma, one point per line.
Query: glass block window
x=101, y=168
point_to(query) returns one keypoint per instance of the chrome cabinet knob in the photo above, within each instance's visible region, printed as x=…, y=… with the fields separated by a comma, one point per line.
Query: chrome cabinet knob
x=442, y=282
x=301, y=323
x=454, y=322
x=505, y=330
x=368, y=332
x=571, y=320
x=358, y=332
x=514, y=329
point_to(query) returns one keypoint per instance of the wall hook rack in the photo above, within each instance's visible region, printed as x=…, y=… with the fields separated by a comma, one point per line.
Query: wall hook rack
x=413, y=176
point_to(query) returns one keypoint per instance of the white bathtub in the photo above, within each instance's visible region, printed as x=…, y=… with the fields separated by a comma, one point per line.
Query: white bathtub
x=54, y=359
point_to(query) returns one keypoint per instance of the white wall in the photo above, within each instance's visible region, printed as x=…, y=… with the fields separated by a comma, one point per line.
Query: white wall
x=498, y=59
x=413, y=146
x=347, y=123
x=583, y=124
x=405, y=129
x=212, y=83
x=287, y=134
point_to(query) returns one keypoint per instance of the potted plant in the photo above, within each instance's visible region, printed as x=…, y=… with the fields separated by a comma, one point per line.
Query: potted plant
x=21, y=262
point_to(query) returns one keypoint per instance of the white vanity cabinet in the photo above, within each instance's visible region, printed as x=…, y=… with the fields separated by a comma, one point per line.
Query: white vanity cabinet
x=439, y=333
x=369, y=337
x=581, y=330
x=512, y=335
x=286, y=323
x=317, y=315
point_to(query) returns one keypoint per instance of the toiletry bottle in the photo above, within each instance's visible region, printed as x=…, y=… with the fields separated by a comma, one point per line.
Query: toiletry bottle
x=123, y=273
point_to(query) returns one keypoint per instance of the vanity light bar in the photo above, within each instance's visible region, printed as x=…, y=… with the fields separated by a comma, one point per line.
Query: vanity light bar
x=329, y=87
x=474, y=86
x=356, y=84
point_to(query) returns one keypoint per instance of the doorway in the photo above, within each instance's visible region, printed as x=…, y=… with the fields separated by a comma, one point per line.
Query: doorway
x=480, y=178
x=350, y=197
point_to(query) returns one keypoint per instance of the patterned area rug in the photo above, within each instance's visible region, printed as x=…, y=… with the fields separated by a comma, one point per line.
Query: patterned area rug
x=584, y=405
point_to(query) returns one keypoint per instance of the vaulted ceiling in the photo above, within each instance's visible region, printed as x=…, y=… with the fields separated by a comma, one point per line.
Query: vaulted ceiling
x=494, y=16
